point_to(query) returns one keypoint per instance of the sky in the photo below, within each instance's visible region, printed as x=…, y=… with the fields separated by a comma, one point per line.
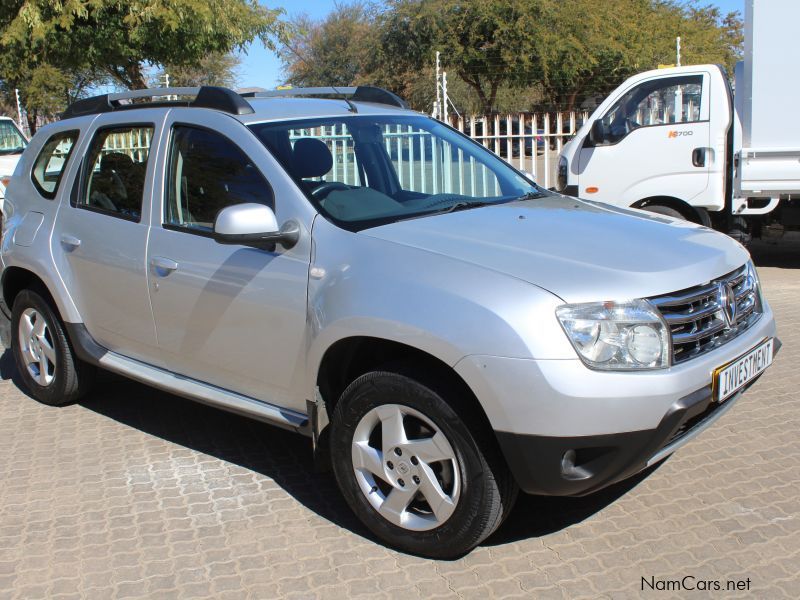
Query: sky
x=261, y=67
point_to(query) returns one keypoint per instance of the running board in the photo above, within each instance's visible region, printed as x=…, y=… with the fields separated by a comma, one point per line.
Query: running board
x=92, y=352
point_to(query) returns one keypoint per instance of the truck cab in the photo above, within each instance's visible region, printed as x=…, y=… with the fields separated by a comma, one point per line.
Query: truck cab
x=658, y=142
x=12, y=144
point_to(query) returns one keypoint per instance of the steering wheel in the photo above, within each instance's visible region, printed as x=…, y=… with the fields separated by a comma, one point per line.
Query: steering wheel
x=328, y=187
x=103, y=201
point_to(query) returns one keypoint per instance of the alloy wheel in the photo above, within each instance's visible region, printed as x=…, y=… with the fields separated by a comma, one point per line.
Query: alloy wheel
x=36, y=345
x=406, y=467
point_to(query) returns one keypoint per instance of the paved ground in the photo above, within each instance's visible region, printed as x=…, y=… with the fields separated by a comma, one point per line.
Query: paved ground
x=134, y=493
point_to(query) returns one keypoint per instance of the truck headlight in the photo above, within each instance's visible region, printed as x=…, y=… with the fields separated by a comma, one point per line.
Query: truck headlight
x=561, y=174
x=617, y=336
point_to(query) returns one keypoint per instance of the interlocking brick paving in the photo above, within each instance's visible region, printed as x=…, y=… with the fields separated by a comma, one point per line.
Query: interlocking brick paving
x=135, y=493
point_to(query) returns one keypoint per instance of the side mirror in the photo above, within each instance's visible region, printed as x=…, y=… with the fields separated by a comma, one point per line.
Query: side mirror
x=252, y=224
x=597, y=134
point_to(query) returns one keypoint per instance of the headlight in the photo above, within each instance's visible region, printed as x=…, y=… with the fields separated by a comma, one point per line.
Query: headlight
x=617, y=336
x=561, y=174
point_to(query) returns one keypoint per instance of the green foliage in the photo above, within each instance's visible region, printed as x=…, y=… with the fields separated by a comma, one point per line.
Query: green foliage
x=114, y=41
x=120, y=37
x=507, y=54
x=336, y=51
x=215, y=69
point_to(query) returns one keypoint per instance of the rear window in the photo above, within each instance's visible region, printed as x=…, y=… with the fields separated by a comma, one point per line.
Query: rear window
x=50, y=164
x=115, y=171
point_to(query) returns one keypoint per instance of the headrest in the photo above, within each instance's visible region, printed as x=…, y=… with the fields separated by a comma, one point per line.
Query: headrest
x=115, y=161
x=311, y=158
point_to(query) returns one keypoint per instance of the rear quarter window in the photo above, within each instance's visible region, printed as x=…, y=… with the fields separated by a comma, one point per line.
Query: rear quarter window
x=51, y=162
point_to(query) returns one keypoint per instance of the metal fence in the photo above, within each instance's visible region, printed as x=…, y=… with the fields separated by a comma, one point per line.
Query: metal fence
x=530, y=142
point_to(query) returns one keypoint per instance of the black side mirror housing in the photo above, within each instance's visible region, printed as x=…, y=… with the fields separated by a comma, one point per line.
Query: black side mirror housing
x=597, y=134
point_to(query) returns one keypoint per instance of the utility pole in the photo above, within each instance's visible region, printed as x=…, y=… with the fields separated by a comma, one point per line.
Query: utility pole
x=678, y=50
x=19, y=108
x=445, y=97
x=437, y=106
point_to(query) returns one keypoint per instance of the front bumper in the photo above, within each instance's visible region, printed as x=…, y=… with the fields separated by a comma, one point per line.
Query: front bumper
x=569, y=430
x=581, y=465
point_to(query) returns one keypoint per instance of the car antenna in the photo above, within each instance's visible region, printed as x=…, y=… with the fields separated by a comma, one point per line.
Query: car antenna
x=351, y=107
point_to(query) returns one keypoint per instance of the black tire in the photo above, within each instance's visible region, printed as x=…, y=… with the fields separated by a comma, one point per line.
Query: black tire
x=664, y=210
x=487, y=491
x=71, y=377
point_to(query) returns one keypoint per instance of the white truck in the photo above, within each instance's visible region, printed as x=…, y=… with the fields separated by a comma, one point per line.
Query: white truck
x=12, y=143
x=678, y=141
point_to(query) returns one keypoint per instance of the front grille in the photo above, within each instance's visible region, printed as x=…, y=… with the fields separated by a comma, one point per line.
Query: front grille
x=697, y=316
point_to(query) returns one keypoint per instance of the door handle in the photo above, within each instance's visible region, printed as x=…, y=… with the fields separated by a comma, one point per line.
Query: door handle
x=163, y=266
x=699, y=157
x=70, y=242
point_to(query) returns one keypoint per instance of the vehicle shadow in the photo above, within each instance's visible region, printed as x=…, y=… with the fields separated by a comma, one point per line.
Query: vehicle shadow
x=783, y=254
x=537, y=516
x=286, y=457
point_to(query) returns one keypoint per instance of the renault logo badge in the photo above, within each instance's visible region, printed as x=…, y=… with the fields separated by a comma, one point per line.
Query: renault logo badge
x=727, y=301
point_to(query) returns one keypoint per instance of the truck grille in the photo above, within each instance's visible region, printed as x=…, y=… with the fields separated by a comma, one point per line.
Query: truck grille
x=707, y=316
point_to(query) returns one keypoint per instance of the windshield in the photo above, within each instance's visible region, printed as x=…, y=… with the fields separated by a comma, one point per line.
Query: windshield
x=11, y=140
x=363, y=171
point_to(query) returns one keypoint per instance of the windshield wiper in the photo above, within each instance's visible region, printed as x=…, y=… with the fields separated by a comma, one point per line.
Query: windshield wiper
x=531, y=196
x=462, y=206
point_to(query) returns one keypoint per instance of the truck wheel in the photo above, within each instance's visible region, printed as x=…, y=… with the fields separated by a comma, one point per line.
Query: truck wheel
x=740, y=231
x=664, y=210
x=412, y=470
x=44, y=358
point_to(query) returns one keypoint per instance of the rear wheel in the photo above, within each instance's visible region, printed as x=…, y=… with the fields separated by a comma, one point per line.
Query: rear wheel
x=44, y=358
x=412, y=470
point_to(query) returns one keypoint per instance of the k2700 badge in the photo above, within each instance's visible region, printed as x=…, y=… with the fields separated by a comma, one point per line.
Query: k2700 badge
x=675, y=134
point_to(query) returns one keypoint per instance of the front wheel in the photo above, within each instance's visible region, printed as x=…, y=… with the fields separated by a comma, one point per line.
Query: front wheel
x=44, y=357
x=412, y=470
x=664, y=210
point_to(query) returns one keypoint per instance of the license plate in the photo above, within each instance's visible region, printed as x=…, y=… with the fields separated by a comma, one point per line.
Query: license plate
x=730, y=378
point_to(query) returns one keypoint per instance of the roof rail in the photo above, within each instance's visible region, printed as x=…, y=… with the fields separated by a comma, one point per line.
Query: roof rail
x=207, y=96
x=362, y=93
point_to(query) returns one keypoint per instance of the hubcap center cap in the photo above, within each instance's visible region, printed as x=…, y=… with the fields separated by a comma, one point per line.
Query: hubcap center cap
x=403, y=468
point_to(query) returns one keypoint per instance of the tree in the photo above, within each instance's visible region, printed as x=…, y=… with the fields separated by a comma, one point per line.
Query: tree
x=215, y=69
x=589, y=48
x=337, y=51
x=120, y=38
x=566, y=50
x=486, y=43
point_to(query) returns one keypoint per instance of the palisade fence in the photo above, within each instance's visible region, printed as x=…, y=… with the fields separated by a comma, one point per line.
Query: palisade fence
x=530, y=142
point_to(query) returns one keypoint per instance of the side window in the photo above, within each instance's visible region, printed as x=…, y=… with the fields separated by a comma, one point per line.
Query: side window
x=50, y=164
x=208, y=172
x=660, y=102
x=115, y=170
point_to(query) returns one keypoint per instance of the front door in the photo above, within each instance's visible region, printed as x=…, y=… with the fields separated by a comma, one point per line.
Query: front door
x=231, y=316
x=656, y=142
x=100, y=235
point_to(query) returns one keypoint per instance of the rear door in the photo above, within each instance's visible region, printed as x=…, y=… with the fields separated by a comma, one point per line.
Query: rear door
x=100, y=235
x=657, y=142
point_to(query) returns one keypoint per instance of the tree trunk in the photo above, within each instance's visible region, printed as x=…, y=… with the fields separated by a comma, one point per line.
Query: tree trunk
x=572, y=99
x=31, y=117
x=486, y=103
x=129, y=76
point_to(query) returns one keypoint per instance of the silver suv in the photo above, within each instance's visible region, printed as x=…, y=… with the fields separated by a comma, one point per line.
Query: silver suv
x=445, y=331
